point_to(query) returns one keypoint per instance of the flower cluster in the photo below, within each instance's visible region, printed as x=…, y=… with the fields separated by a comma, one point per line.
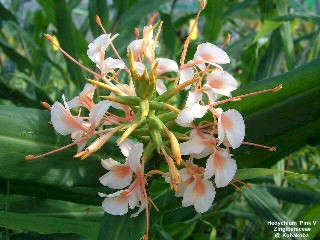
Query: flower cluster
x=195, y=157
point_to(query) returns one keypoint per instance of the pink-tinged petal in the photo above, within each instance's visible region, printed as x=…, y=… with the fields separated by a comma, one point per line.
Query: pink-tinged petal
x=109, y=164
x=135, y=156
x=160, y=87
x=186, y=74
x=212, y=54
x=199, y=193
x=222, y=82
x=136, y=48
x=189, y=196
x=166, y=65
x=111, y=63
x=97, y=112
x=117, y=179
x=116, y=204
x=126, y=147
x=224, y=175
x=62, y=120
x=195, y=145
x=234, y=127
x=204, y=202
x=187, y=115
x=222, y=166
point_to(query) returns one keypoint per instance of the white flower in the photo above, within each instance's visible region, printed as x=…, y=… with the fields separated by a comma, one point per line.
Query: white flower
x=98, y=47
x=221, y=82
x=198, y=146
x=84, y=99
x=211, y=54
x=199, y=193
x=166, y=65
x=186, y=176
x=111, y=64
x=222, y=166
x=119, y=176
x=136, y=48
x=192, y=110
x=64, y=122
x=231, y=127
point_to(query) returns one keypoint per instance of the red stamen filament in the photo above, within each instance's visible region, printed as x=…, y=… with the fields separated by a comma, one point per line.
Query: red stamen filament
x=236, y=187
x=271, y=149
x=32, y=157
x=238, y=98
x=49, y=37
x=245, y=184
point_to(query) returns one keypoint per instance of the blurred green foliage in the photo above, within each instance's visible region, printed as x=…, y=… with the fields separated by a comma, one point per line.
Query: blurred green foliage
x=58, y=200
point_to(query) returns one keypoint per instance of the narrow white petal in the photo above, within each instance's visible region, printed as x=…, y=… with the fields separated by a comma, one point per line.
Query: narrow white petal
x=135, y=156
x=186, y=74
x=209, y=170
x=126, y=147
x=97, y=112
x=160, y=87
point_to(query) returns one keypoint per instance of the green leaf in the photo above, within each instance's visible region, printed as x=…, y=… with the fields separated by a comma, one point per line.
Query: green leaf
x=6, y=14
x=267, y=27
x=287, y=119
x=294, y=195
x=100, y=8
x=264, y=205
x=23, y=63
x=122, y=227
x=50, y=208
x=27, y=132
x=251, y=173
x=45, y=225
x=213, y=15
x=313, y=216
x=71, y=40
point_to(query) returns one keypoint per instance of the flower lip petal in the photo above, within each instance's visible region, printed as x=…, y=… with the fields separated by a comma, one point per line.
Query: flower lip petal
x=62, y=120
x=212, y=54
